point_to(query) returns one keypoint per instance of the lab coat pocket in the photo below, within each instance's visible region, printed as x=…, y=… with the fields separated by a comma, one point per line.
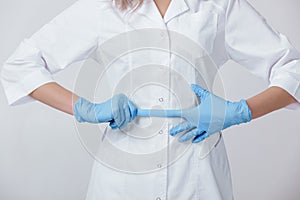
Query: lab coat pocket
x=208, y=145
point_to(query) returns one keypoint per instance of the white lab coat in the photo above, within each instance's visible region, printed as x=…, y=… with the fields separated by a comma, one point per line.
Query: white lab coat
x=225, y=29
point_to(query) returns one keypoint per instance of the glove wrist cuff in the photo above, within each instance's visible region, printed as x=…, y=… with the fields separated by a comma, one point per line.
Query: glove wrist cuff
x=237, y=113
x=81, y=108
x=243, y=111
x=76, y=110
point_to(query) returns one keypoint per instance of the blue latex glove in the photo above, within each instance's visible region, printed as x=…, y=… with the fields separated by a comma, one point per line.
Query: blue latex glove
x=212, y=115
x=118, y=110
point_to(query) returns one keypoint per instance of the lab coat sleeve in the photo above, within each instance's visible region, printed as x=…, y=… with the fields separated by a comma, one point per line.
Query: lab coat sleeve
x=69, y=37
x=253, y=43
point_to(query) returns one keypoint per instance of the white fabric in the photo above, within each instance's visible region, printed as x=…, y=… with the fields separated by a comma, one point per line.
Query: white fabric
x=226, y=29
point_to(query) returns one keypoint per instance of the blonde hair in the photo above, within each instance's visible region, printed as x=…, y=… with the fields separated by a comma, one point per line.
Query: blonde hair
x=131, y=4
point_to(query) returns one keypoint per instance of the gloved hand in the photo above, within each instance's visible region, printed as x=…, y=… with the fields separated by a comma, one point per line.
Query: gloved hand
x=118, y=110
x=212, y=115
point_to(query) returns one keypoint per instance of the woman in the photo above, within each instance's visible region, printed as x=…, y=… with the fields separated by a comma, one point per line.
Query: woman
x=226, y=29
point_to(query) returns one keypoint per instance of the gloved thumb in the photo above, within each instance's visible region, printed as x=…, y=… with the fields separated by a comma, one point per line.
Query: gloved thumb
x=199, y=91
x=133, y=110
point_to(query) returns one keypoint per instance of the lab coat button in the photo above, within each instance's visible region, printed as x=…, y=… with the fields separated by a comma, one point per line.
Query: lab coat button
x=161, y=99
x=159, y=165
x=161, y=132
x=162, y=34
x=158, y=198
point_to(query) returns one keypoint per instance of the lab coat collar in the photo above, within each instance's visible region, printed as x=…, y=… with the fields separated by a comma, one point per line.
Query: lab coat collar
x=176, y=8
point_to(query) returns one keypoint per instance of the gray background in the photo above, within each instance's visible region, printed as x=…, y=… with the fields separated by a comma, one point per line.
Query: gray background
x=41, y=156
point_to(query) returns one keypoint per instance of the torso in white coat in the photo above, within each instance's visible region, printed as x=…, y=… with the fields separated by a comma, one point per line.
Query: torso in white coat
x=153, y=60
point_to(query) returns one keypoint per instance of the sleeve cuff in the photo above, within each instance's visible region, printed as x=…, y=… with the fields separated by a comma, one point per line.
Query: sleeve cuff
x=19, y=92
x=291, y=85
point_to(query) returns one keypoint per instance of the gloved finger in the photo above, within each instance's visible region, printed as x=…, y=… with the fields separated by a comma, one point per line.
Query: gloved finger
x=113, y=125
x=200, y=137
x=125, y=113
x=189, y=135
x=202, y=93
x=119, y=115
x=184, y=126
x=126, y=118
